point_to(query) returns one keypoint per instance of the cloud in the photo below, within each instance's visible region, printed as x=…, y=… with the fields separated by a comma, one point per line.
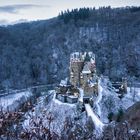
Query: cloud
x=15, y=9
x=3, y=22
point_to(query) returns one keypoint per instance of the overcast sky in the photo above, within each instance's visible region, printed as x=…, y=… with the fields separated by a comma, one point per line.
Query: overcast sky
x=27, y=10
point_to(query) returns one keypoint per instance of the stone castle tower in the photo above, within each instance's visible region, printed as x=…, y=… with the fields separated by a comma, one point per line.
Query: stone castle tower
x=83, y=72
x=76, y=66
x=124, y=83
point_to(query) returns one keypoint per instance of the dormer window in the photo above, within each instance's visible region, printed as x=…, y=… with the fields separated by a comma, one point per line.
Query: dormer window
x=81, y=76
x=72, y=75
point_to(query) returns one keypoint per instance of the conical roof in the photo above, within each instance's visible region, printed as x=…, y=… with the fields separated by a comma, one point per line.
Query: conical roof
x=86, y=69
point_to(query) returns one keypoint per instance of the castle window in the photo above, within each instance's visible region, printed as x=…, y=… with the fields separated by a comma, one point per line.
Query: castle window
x=72, y=75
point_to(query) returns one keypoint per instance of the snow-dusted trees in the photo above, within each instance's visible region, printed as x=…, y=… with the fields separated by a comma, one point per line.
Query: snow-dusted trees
x=73, y=130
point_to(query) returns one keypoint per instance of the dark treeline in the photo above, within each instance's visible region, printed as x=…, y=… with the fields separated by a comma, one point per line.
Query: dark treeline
x=135, y=9
x=84, y=13
x=38, y=52
x=75, y=14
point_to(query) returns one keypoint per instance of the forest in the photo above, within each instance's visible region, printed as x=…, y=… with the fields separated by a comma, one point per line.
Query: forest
x=38, y=52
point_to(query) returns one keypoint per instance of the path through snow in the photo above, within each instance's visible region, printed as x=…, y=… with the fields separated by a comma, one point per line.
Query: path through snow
x=98, y=124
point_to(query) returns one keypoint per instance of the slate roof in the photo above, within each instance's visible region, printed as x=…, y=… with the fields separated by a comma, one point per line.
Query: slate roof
x=86, y=69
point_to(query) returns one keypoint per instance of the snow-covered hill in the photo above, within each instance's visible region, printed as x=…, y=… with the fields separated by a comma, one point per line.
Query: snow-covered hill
x=63, y=119
x=110, y=102
x=13, y=101
x=53, y=115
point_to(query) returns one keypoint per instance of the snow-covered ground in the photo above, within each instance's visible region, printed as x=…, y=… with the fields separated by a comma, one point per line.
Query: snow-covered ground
x=105, y=102
x=55, y=110
x=96, y=120
x=13, y=101
x=99, y=98
x=132, y=96
x=108, y=100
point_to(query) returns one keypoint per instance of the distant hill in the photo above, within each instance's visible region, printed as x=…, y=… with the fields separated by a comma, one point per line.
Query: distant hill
x=38, y=52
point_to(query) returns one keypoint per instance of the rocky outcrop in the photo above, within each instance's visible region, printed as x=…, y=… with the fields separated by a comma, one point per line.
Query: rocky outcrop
x=132, y=115
x=128, y=128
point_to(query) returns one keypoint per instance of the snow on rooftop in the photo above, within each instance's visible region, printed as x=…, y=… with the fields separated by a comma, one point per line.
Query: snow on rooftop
x=81, y=56
x=91, y=54
x=64, y=82
x=72, y=96
x=86, y=69
x=61, y=103
x=86, y=72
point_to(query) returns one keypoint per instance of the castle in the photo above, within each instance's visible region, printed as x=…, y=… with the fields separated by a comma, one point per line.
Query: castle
x=82, y=75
